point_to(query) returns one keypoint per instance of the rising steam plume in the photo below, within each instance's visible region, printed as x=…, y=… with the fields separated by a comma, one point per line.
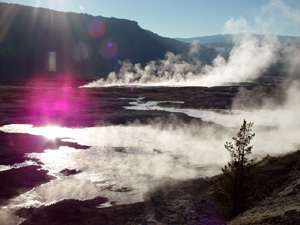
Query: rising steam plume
x=249, y=59
x=155, y=150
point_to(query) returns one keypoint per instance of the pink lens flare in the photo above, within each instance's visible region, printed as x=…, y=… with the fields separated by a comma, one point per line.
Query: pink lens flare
x=55, y=104
x=96, y=28
x=109, y=50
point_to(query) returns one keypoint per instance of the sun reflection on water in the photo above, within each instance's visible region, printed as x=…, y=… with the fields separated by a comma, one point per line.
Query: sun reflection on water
x=51, y=132
x=122, y=164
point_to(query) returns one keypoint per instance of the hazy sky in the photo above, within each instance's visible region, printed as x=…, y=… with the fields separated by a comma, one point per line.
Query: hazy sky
x=190, y=18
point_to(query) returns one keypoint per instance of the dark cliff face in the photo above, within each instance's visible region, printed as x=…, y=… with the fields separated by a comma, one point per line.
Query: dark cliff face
x=46, y=43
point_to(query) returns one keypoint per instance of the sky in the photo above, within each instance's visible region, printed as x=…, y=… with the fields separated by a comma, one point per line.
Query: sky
x=190, y=18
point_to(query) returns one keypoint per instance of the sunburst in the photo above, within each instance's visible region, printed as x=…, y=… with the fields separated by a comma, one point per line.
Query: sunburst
x=50, y=132
x=52, y=4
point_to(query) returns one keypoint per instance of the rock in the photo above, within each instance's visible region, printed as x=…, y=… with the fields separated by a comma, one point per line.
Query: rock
x=18, y=181
x=69, y=172
x=282, y=205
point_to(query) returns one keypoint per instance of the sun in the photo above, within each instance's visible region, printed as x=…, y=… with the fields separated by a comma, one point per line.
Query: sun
x=51, y=4
x=50, y=132
x=63, y=5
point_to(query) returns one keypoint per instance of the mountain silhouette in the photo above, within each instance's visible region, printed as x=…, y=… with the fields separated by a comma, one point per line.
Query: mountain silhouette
x=38, y=42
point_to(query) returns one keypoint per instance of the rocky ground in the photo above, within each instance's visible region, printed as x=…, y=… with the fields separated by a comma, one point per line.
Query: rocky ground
x=39, y=104
x=188, y=202
x=13, y=149
x=281, y=202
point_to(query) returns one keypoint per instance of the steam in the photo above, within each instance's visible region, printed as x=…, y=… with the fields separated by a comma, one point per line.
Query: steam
x=248, y=59
x=124, y=162
x=17, y=165
x=7, y=217
x=276, y=17
x=275, y=123
x=138, y=157
x=291, y=59
x=237, y=26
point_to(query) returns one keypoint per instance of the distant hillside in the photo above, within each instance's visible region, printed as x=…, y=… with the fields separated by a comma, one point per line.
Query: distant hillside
x=46, y=43
x=228, y=39
x=224, y=44
x=37, y=42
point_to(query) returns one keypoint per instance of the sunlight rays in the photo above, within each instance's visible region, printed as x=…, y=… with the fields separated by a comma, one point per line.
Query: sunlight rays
x=6, y=20
x=51, y=4
x=50, y=132
x=37, y=3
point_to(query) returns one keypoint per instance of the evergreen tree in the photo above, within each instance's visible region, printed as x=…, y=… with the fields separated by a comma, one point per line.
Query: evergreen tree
x=234, y=187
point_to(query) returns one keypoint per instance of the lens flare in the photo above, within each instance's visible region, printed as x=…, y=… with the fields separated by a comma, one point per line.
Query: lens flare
x=81, y=8
x=109, y=50
x=55, y=105
x=52, y=61
x=96, y=28
x=51, y=132
x=80, y=52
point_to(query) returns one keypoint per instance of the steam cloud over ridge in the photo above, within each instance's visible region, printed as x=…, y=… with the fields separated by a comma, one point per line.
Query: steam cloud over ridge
x=248, y=59
x=146, y=154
